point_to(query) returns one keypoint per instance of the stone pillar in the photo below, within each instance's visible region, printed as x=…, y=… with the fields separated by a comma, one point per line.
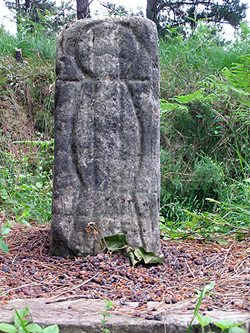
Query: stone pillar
x=107, y=136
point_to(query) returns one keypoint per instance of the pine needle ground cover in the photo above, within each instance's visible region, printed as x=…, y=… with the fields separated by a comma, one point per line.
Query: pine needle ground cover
x=28, y=271
x=205, y=177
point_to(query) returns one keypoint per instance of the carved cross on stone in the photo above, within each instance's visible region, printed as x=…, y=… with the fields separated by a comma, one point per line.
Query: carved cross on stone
x=107, y=136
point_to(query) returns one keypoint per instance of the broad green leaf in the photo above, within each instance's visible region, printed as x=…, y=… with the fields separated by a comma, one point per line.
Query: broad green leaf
x=238, y=324
x=106, y=330
x=236, y=330
x=51, y=329
x=206, y=288
x=148, y=257
x=196, y=96
x=116, y=242
x=25, y=322
x=106, y=314
x=175, y=235
x=204, y=321
x=222, y=242
x=39, y=185
x=209, y=286
x=162, y=218
x=191, y=213
x=34, y=328
x=7, y=328
x=131, y=256
x=23, y=221
x=5, y=230
x=18, y=318
x=168, y=107
x=22, y=330
x=4, y=194
x=224, y=323
x=24, y=312
x=108, y=304
x=4, y=247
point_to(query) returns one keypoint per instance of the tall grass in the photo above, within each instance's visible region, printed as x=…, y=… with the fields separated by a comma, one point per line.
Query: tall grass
x=185, y=61
x=38, y=44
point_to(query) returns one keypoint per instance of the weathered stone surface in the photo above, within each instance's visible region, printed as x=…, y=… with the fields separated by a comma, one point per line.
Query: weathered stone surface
x=82, y=316
x=107, y=136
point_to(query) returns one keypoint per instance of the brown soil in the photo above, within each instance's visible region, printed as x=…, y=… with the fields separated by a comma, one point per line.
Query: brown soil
x=29, y=271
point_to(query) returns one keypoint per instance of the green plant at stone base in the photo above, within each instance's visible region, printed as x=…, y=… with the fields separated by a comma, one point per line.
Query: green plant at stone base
x=206, y=320
x=230, y=325
x=108, y=305
x=205, y=292
x=223, y=324
x=118, y=243
x=21, y=324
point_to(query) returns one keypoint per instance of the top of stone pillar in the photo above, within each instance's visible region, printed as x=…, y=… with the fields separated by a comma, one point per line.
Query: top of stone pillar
x=99, y=48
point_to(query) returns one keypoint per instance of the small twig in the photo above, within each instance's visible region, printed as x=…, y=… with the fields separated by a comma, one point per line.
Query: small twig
x=14, y=258
x=213, y=263
x=78, y=286
x=235, y=270
x=5, y=292
x=66, y=298
x=189, y=268
x=228, y=252
x=175, y=261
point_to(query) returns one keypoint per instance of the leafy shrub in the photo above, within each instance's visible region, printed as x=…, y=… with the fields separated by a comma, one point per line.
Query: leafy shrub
x=26, y=183
x=207, y=179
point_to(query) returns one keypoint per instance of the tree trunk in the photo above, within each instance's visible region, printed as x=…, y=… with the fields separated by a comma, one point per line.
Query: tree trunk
x=27, y=5
x=152, y=10
x=82, y=7
x=17, y=14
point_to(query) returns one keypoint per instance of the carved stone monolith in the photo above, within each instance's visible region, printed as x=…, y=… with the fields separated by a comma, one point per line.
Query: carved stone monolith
x=107, y=136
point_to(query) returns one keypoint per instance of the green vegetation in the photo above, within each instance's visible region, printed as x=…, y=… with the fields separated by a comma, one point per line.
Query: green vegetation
x=21, y=324
x=108, y=305
x=118, y=243
x=223, y=324
x=26, y=126
x=204, y=131
x=202, y=294
x=31, y=15
x=205, y=104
